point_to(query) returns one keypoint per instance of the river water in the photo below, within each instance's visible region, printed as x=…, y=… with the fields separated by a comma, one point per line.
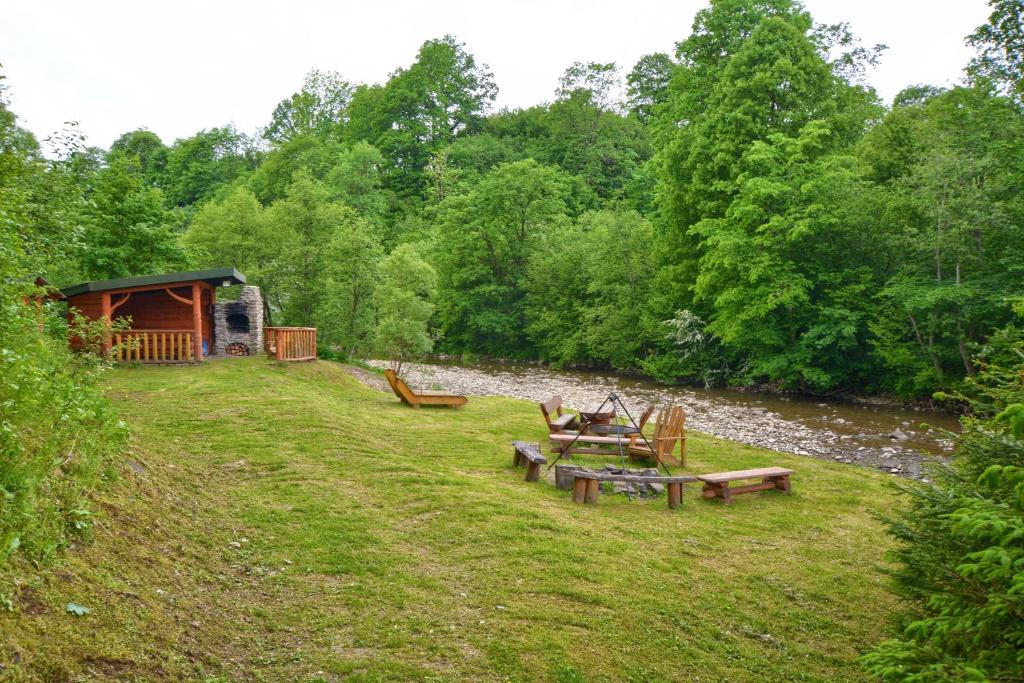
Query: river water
x=886, y=437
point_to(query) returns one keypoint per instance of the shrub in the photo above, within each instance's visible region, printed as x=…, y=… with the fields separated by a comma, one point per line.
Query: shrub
x=58, y=434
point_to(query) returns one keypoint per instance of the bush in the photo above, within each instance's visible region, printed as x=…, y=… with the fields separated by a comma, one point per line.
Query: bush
x=58, y=435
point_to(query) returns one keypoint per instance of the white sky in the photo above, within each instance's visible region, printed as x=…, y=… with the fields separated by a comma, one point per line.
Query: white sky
x=177, y=67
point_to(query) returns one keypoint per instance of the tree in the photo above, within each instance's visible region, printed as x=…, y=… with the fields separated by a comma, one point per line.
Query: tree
x=357, y=178
x=960, y=549
x=127, y=229
x=484, y=241
x=307, y=222
x=236, y=231
x=404, y=308
x=53, y=407
x=199, y=165
x=346, y=314
x=150, y=151
x=317, y=110
x=953, y=191
x=789, y=271
x=647, y=84
x=1000, y=45
x=421, y=109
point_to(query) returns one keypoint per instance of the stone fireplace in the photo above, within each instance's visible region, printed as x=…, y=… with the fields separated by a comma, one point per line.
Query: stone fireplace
x=238, y=325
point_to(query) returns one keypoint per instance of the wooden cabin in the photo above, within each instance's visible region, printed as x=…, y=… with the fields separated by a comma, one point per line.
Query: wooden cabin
x=172, y=315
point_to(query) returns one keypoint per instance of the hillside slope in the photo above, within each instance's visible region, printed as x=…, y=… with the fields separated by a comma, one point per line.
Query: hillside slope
x=288, y=523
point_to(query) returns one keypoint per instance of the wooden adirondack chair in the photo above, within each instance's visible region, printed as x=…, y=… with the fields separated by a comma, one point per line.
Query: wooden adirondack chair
x=421, y=398
x=669, y=428
x=561, y=421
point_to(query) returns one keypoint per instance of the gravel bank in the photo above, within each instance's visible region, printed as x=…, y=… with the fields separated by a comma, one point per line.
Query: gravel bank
x=745, y=424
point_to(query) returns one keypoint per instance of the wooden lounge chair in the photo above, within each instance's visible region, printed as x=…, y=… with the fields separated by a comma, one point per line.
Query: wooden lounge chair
x=561, y=420
x=669, y=428
x=421, y=398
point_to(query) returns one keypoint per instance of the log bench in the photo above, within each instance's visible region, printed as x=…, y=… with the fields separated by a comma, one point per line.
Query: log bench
x=586, y=486
x=717, y=485
x=528, y=454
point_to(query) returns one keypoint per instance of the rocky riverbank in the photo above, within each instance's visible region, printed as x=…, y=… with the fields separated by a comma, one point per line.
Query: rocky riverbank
x=748, y=424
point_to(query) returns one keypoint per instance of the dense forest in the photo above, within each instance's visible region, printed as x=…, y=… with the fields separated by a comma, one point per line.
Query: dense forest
x=745, y=210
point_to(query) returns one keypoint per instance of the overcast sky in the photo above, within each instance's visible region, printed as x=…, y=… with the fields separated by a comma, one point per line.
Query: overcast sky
x=177, y=67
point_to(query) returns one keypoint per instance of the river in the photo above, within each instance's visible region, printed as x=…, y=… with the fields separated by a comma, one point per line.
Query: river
x=886, y=437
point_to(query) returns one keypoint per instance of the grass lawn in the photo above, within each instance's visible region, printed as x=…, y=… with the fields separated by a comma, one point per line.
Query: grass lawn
x=288, y=523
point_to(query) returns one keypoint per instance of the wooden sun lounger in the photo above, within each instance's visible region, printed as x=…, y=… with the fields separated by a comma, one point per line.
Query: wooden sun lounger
x=421, y=398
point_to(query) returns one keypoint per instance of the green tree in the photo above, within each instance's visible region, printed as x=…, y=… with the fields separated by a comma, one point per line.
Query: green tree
x=790, y=269
x=484, y=241
x=306, y=222
x=421, y=109
x=357, y=180
x=59, y=439
x=647, y=84
x=127, y=229
x=150, y=151
x=1000, y=46
x=960, y=549
x=199, y=165
x=952, y=187
x=403, y=301
x=317, y=110
x=346, y=313
x=236, y=231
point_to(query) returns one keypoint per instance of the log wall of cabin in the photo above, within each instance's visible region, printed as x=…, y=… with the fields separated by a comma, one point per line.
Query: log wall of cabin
x=151, y=310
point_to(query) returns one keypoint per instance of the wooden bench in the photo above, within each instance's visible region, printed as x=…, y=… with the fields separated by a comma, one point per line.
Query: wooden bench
x=528, y=454
x=586, y=486
x=556, y=419
x=717, y=485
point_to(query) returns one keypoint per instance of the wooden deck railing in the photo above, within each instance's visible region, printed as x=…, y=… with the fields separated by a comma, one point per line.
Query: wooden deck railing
x=290, y=343
x=153, y=346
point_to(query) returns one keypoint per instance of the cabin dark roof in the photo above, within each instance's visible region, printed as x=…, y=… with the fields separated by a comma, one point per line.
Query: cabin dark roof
x=215, y=277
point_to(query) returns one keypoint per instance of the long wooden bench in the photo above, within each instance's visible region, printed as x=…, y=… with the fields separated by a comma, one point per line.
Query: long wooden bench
x=528, y=454
x=586, y=486
x=717, y=485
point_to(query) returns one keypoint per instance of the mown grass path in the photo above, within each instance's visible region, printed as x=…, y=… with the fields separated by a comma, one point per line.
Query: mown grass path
x=288, y=523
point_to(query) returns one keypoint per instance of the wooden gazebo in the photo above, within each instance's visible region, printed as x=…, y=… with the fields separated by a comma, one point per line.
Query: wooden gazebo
x=171, y=314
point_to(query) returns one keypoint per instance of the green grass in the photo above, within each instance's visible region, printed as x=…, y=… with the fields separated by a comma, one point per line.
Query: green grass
x=292, y=524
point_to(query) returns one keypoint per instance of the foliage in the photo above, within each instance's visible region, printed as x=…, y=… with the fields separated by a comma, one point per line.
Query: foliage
x=58, y=436
x=1000, y=46
x=484, y=242
x=127, y=228
x=961, y=552
x=346, y=314
x=316, y=110
x=403, y=298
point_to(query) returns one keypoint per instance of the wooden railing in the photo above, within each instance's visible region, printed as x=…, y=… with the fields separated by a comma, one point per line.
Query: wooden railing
x=153, y=346
x=290, y=343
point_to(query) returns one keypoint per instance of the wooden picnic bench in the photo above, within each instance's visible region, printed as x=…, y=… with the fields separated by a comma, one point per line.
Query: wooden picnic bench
x=556, y=419
x=422, y=398
x=586, y=486
x=717, y=485
x=530, y=455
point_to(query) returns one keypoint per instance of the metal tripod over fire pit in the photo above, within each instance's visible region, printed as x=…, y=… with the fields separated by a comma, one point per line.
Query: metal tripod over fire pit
x=615, y=402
